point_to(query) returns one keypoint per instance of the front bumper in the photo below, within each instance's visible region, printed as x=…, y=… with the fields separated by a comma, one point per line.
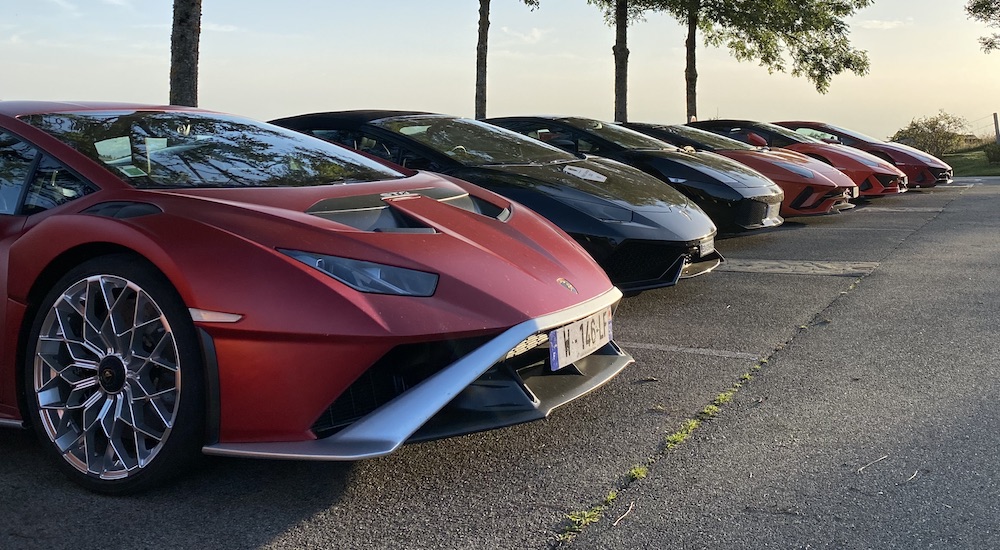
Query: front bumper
x=635, y=265
x=877, y=185
x=414, y=414
x=926, y=176
x=811, y=201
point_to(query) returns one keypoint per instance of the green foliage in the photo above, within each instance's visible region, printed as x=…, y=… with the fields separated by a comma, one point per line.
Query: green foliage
x=986, y=11
x=992, y=151
x=938, y=134
x=971, y=163
x=638, y=472
x=583, y=518
x=681, y=435
x=813, y=34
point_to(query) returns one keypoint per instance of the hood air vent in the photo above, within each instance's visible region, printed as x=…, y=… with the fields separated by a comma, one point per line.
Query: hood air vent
x=373, y=213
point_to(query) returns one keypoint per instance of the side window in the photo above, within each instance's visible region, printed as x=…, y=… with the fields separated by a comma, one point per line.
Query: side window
x=818, y=134
x=16, y=158
x=555, y=136
x=53, y=185
x=380, y=148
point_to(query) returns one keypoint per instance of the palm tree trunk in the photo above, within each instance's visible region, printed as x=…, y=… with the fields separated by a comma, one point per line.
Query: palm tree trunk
x=484, y=33
x=184, y=53
x=620, y=51
x=691, y=69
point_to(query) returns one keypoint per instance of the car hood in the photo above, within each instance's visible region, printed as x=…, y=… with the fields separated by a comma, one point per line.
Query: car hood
x=847, y=158
x=485, y=249
x=712, y=165
x=601, y=179
x=770, y=161
x=927, y=158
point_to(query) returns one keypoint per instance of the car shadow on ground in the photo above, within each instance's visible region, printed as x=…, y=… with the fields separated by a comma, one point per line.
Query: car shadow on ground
x=223, y=502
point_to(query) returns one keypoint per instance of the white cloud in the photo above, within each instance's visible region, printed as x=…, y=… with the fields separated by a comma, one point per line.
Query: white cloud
x=122, y=3
x=534, y=36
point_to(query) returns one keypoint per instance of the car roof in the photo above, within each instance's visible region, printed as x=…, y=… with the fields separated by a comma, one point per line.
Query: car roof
x=20, y=108
x=354, y=117
x=723, y=121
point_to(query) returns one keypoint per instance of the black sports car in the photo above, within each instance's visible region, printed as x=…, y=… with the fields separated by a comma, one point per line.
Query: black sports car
x=644, y=234
x=736, y=197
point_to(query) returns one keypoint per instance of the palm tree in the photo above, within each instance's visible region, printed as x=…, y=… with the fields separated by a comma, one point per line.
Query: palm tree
x=184, y=53
x=484, y=33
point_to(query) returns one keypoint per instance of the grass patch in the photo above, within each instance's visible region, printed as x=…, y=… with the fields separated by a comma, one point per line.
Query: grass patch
x=971, y=162
x=637, y=473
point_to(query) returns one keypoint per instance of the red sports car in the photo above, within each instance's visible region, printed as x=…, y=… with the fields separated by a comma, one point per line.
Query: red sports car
x=811, y=187
x=874, y=176
x=180, y=281
x=921, y=169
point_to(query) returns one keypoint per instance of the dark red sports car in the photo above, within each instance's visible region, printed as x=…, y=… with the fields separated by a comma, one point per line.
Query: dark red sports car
x=874, y=176
x=179, y=281
x=921, y=169
x=811, y=187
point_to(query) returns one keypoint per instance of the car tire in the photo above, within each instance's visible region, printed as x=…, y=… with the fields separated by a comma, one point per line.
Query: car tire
x=107, y=351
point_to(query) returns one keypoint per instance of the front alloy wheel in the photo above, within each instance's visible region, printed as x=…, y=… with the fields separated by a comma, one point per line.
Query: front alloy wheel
x=110, y=345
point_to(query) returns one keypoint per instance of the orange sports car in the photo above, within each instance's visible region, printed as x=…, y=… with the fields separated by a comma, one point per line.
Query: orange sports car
x=874, y=176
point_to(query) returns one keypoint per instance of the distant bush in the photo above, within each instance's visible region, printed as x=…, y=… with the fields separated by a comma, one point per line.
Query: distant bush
x=938, y=134
x=992, y=151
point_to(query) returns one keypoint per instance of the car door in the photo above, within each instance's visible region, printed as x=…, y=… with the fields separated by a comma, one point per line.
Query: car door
x=16, y=162
x=30, y=182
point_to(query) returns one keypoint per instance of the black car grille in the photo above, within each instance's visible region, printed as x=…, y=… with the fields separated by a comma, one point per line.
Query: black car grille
x=398, y=370
x=890, y=180
x=800, y=200
x=941, y=174
x=640, y=261
x=752, y=213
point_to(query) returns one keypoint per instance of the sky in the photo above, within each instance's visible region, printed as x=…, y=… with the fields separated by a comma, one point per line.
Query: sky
x=266, y=59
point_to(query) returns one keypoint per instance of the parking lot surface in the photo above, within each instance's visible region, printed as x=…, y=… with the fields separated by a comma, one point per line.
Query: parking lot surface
x=865, y=345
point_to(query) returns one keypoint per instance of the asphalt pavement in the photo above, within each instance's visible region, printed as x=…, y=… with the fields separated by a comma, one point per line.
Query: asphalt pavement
x=851, y=359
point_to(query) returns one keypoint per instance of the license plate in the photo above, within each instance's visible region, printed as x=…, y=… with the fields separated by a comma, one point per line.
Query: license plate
x=706, y=248
x=579, y=339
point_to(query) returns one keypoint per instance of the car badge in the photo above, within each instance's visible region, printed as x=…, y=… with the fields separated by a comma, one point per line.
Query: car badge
x=397, y=195
x=585, y=174
x=567, y=285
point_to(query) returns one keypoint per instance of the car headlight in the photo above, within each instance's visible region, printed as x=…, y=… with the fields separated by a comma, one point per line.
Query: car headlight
x=804, y=172
x=871, y=162
x=602, y=211
x=369, y=276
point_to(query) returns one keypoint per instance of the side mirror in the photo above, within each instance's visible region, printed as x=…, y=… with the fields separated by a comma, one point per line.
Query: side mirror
x=756, y=139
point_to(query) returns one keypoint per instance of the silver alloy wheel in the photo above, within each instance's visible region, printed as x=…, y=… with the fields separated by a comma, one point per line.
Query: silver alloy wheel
x=106, y=376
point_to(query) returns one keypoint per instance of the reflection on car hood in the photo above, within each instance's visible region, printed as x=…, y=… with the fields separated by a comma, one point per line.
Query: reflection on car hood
x=714, y=166
x=508, y=268
x=847, y=158
x=765, y=160
x=611, y=181
x=931, y=160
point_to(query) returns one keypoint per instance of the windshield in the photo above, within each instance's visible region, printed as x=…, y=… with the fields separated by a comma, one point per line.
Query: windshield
x=164, y=149
x=710, y=140
x=856, y=135
x=795, y=137
x=474, y=143
x=622, y=137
